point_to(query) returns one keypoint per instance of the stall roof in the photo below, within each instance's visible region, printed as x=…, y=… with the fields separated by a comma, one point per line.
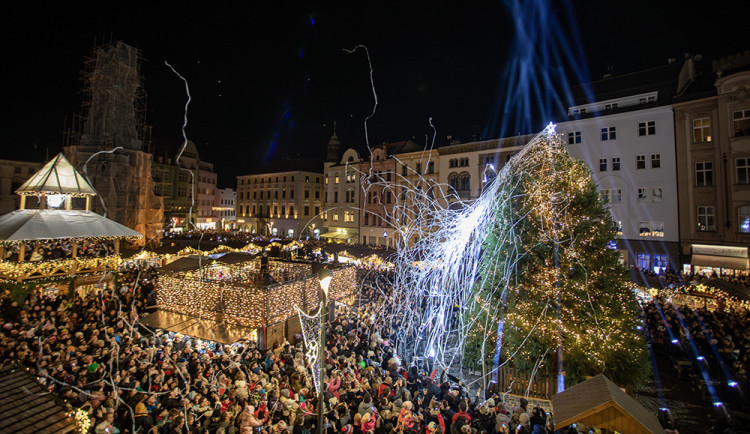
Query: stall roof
x=51, y=224
x=596, y=395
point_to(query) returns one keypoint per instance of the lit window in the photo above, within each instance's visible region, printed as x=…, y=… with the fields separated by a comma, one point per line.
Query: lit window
x=702, y=130
x=706, y=219
x=336, y=217
x=335, y=179
x=704, y=173
x=743, y=214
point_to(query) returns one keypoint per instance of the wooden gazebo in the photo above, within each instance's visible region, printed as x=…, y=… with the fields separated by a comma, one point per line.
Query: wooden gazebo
x=56, y=187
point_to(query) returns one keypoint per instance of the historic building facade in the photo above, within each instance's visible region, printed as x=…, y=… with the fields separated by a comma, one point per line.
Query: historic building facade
x=712, y=130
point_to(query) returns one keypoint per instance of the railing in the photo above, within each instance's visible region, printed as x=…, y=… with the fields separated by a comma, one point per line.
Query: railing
x=516, y=382
x=20, y=271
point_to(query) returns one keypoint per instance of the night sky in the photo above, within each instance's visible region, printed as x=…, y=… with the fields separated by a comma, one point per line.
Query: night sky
x=268, y=79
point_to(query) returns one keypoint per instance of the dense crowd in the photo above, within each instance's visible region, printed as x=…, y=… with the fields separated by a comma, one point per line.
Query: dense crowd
x=715, y=343
x=51, y=250
x=91, y=352
x=669, y=277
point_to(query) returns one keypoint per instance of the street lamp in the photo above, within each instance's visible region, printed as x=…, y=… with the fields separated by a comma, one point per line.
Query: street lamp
x=324, y=277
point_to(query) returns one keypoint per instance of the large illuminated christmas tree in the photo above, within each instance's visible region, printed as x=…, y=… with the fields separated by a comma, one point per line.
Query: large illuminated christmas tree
x=550, y=282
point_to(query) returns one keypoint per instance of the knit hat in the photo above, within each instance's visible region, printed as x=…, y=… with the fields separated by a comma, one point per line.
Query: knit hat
x=347, y=429
x=524, y=419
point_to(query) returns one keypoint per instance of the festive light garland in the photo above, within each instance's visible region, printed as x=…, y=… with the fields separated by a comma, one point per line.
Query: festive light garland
x=61, y=267
x=83, y=421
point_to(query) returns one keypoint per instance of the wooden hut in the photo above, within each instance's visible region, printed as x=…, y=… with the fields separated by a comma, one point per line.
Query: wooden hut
x=600, y=403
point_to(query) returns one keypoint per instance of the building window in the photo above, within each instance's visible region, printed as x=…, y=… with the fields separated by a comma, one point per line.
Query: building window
x=431, y=167
x=291, y=212
x=609, y=133
x=291, y=194
x=604, y=195
x=741, y=120
x=615, y=163
x=640, y=161
x=651, y=229
x=336, y=217
x=602, y=164
x=743, y=214
x=336, y=179
x=307, y=211
x=618, y=228
x=335, y=196
x=465, y=182
x=743, y=170
x=657, y=194
x=647, y=128
x=647, y=100
x=616, y=196
x=453, y=181
x=307, y=179
x=326, y=179
x=317, y=194
x=283, y=211
x=610, y=106
x=704, y=173
x=706, y=219
x=655, y=161
x=574, y=138
x=307, y=194
x=367, y=219
x=641, y=193
x=701, y=130
x=419, y=168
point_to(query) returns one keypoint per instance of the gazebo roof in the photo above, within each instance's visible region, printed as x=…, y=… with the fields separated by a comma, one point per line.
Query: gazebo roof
x=50, y=224
x=58, y=176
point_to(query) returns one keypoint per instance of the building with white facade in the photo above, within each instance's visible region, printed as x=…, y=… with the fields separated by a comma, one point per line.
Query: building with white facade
x=626, y=137
x=283, y=199
x=225, y=208
x=341, y=195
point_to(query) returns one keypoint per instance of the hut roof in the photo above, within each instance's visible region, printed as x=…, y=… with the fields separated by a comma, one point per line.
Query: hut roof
x=594, y=395
x=25, y=407
x=58, y=176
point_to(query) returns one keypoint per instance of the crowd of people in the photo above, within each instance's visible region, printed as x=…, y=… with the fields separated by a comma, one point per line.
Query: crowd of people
x=51, y=250
x=91, y=352
x=715, y=343
x=668, y=276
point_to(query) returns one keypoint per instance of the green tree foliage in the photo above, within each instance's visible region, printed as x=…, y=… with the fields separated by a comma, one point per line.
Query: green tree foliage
x=547, y=253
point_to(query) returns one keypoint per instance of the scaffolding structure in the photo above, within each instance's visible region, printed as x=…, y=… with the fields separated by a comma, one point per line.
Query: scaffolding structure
x=109, y=140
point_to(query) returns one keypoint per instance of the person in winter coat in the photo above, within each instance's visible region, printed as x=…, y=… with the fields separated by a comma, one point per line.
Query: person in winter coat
x=248, y=420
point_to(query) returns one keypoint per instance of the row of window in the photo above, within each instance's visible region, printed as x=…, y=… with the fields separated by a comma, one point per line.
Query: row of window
x=385, y=197
x=350, y=177
x=647, y=128
x=458, y=162
x=614, y=195
x=460, y=182
x=348, y=216
x=377, y=220
x=349, y=196
x=269, y=180
x=418, y=168
x=246, y=210
x=640, y=163
x=707, y=219
x=704, y=172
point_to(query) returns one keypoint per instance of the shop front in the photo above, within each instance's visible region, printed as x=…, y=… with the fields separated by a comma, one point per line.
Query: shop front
x=723, y=260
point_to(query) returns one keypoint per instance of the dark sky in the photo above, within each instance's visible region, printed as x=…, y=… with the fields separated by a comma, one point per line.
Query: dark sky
x=269, y=78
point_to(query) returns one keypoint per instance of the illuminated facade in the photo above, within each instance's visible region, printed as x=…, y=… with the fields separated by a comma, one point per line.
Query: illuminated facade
x=341, y=197
x=712, y=131
x=625, y=135
x=284, y=200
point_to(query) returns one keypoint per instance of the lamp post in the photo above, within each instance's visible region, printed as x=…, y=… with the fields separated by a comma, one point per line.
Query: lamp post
x=324, y=277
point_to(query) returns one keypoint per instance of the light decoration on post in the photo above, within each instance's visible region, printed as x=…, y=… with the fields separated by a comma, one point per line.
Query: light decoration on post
x=310, y=332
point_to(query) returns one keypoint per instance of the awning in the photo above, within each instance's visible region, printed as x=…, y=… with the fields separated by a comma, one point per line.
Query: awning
x=720, y=262
x=339, y=235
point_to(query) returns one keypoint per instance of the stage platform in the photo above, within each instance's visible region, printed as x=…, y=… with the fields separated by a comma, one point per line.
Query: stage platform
x=202, y=328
